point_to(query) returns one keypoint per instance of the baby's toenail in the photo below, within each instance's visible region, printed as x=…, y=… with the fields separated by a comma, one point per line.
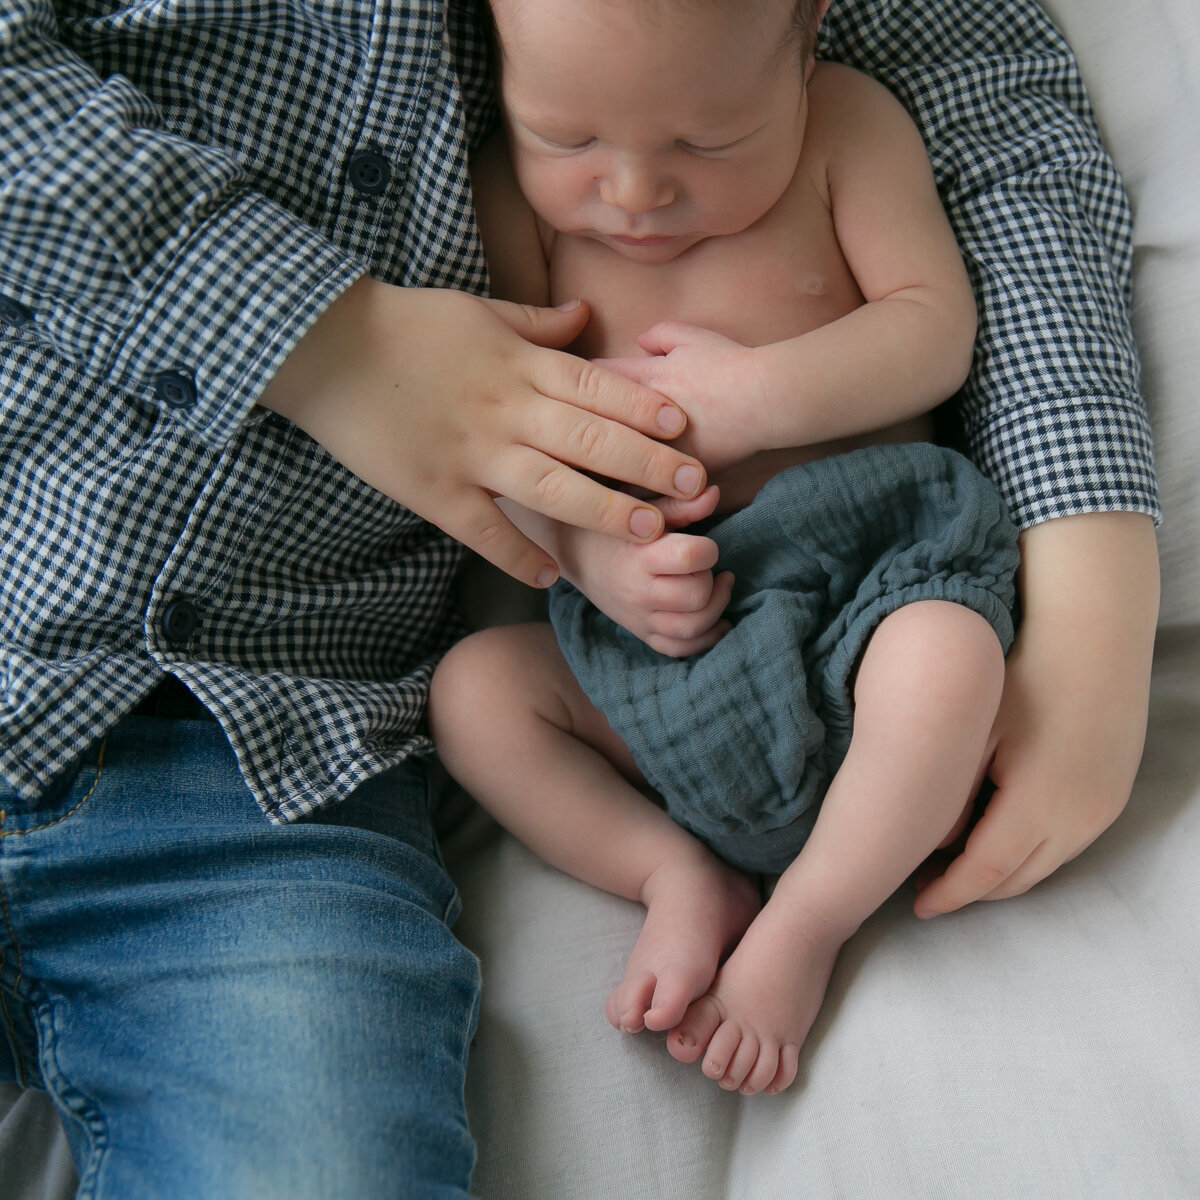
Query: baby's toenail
x=684, y=1040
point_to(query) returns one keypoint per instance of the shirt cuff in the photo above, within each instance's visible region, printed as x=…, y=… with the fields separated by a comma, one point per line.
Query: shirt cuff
x=1066, y=455
x=231, y=305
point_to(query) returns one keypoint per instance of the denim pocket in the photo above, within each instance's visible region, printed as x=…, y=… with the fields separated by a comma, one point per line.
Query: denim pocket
x=66, y=792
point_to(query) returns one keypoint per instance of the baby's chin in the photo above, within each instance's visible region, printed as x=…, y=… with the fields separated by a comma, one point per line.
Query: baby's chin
x=650, y=249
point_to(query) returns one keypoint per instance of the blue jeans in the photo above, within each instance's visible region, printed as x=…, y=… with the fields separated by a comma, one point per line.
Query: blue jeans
x=225, y=1008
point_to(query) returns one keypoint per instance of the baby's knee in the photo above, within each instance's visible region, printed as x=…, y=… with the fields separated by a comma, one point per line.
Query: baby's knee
x=948, y=649
x=467, y=673
x=493, y=669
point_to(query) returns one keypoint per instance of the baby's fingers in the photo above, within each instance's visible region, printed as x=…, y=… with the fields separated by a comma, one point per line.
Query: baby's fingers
x=678, y=634
x=681, y=513
x=685, y=647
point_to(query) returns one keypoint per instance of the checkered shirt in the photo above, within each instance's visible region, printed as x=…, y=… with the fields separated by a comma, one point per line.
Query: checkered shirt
x=185, y=188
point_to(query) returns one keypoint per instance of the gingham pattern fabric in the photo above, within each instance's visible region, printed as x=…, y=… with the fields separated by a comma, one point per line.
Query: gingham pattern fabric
x=1052, y=411
x=178, y=203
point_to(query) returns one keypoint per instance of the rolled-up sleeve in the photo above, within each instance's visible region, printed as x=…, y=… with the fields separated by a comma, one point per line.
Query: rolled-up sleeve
x=141, y=257
x=1053, y=409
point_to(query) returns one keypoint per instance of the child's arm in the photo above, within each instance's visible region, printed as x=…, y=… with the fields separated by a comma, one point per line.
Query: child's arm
x=1068, y=737
x=452, y=412
x=444, y=401
x=905, y=350
x=150, y=264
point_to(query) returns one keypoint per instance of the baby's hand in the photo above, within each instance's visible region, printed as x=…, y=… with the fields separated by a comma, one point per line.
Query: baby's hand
x=665, y=592
x=714, y=379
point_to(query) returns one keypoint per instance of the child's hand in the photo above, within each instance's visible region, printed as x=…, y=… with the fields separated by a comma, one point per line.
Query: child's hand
x=714, y=379
x=1069, y=734
x=444, y=401
x=665, y=592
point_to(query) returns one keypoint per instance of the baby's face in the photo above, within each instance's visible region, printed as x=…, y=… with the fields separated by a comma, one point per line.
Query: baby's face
x=651, y=128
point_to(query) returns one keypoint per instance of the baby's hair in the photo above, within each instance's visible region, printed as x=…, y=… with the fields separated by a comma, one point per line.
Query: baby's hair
x=802, y=31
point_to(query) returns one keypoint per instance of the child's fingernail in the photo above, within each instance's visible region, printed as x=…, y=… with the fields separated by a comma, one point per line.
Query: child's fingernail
x=687, y=480
x=546, y=577
x=670, y=419
x=644, y=522
x=567, y=306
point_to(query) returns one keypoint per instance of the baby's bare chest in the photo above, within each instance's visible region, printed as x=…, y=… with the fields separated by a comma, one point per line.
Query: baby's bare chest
x=781, y=278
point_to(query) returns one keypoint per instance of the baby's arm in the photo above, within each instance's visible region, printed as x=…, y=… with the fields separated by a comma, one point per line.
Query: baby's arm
x=905, y=350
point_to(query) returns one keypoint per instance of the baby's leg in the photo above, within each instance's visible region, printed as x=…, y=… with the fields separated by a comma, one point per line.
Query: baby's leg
x=514, y=727
x=925, y=698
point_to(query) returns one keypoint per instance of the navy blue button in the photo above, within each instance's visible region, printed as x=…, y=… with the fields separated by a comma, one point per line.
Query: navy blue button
x=180, y=620
x=176, y=389
x=12, y=312
x=369, y=172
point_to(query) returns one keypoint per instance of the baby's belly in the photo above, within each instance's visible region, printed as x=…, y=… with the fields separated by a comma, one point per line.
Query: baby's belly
x=740, y=483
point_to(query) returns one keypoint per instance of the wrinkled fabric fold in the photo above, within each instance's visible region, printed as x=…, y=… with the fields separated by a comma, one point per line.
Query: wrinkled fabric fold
x=742, y=741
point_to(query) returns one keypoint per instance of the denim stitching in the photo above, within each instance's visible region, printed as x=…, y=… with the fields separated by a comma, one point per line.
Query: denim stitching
x=81, y=1106
x=69, y=1096
x=59, y=819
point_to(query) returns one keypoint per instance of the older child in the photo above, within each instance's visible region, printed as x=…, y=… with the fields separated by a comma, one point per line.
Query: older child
x=694, y=163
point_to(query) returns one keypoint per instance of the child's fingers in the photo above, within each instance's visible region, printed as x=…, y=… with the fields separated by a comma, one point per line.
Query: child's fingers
x=996, y=857
x=546, y=485
x=635, y=409
x=475, y=520
x=645, y=371
x=680, y=513
x=554, y=328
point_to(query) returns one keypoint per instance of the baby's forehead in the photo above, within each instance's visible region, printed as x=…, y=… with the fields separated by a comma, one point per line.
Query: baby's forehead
x=652, y=12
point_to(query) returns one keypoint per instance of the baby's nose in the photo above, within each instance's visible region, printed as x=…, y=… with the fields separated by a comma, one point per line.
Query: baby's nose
x=636, y=188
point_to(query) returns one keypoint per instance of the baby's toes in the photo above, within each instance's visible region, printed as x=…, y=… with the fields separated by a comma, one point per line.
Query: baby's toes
x=742, y=1062
x=627, y=1003
x=674, y=991
x=689, y=1039
x=722, y=1050
x=765, y=1068
x=789, y=1064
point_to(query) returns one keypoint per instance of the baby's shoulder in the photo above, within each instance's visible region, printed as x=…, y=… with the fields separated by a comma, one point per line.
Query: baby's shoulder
x=845, y=102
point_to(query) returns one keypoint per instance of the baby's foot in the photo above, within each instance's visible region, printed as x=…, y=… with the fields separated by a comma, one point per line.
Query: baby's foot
x=696, y=909
x=751, y=1023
